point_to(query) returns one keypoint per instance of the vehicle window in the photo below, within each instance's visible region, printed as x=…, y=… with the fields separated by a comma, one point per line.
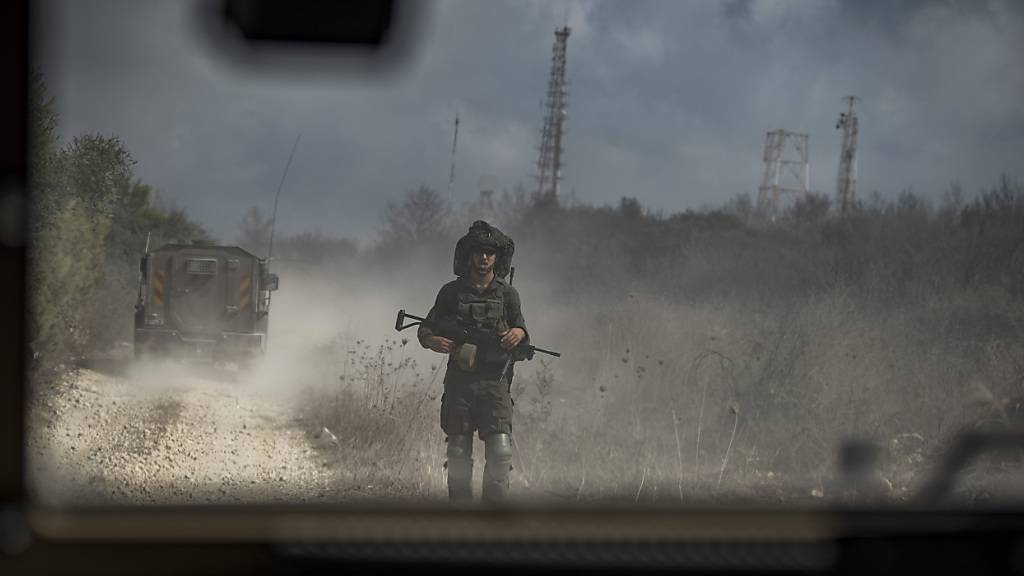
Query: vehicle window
x=661, y=253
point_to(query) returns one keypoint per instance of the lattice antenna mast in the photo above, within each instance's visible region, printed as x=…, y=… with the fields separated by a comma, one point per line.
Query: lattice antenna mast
x=549, y=165
x=451, y=174
x=846, y=187
x=783, y=174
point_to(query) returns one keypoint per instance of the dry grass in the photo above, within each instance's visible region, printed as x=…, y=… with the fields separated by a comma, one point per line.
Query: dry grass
x=666, y=403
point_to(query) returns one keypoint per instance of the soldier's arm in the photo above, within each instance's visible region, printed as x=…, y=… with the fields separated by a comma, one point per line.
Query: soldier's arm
x=514, y=309
x=437, y=311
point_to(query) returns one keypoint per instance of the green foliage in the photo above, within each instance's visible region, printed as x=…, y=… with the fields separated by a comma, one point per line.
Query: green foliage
x=67, y=237
x=66, y=265
x=89, y=220
x=42, y=132
x=98, y=171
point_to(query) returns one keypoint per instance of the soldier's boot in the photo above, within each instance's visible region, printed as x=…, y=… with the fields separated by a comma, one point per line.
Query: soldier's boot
x=460, y=467
x=497, y=468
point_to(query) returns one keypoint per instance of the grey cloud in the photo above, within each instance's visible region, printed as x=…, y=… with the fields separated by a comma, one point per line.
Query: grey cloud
x=669, y=102
x=893, y=16
x=737, y=9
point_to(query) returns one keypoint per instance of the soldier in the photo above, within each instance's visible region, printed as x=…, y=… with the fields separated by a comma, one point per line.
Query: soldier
x=476, y=396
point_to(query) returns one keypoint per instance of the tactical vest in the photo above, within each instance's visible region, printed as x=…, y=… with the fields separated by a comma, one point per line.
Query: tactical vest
x=485, y=311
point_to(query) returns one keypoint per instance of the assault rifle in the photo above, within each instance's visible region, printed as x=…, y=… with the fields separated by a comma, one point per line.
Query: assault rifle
x=475, y=338
x=479, y=337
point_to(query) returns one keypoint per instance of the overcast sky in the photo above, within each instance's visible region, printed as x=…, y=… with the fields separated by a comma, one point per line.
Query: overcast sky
x=669, y=102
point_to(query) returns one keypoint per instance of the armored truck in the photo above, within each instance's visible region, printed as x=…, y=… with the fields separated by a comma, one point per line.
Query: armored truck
x=202, y=302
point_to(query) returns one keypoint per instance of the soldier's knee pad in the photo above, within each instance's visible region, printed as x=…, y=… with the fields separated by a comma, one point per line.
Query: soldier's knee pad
x=460, y=467
x=460, y=447
x=498, y=448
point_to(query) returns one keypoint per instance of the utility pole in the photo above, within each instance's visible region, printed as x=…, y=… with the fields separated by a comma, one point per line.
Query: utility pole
x=783, y=174
x=549, y=165
x=846, y=187
x=451, y=175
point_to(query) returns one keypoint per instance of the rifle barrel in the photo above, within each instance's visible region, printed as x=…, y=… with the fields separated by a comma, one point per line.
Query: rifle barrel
x=549, y=352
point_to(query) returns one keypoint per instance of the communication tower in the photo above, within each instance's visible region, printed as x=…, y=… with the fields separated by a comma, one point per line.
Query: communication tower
x=549, y=165
x=846, y=187
x=451, y=175
x=783, y=174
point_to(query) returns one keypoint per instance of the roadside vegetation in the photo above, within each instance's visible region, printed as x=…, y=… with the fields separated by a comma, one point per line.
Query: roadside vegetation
x=89, y=220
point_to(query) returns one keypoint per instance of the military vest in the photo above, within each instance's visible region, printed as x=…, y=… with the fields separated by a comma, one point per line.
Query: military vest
x=485, y=311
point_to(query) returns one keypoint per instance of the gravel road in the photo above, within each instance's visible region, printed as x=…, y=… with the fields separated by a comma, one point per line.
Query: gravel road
x=118, y=434
x=162, y=435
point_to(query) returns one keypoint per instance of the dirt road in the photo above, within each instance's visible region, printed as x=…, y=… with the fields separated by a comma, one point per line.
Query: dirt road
x=124, y=434
x=118, y=435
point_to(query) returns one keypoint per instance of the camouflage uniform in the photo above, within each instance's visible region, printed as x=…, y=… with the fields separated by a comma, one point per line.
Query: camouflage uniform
x=479, y=399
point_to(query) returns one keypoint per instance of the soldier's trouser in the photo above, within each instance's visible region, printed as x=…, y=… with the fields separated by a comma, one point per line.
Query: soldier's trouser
x=480, y=403
x=497, y=467
x=460, y=467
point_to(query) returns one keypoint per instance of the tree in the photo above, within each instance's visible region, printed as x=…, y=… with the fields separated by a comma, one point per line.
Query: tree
x=174, y=225
x=810, y=210
x=422, y=216
x=742, y=207
x=630, y=208
x=67, y=238
x=45, y=172
x=99, y=171
x=44, y=146
x=88, y=220
x=952, y=202
x=513, y=206
x=254, y=232
x=316, y=248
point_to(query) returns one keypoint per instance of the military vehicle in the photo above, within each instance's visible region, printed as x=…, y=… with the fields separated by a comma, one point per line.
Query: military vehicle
x=202, y=302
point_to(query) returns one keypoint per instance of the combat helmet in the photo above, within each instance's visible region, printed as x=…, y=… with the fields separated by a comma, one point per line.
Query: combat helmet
x=483, y=234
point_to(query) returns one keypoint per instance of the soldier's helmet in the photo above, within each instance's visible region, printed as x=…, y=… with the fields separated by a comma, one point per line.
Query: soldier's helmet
x=481, y=234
